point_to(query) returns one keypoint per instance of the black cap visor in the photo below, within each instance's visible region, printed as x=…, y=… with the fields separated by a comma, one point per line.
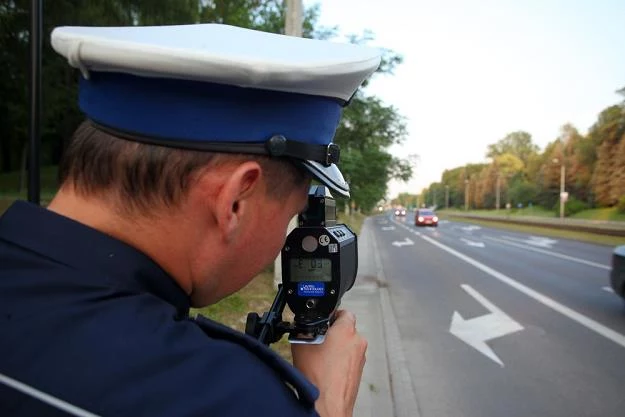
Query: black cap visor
x=329, y=176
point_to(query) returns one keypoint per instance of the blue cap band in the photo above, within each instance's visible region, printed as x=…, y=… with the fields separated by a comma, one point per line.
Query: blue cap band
x=199, y=111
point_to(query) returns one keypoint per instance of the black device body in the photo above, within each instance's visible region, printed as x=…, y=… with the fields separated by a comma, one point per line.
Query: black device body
x=319, y=264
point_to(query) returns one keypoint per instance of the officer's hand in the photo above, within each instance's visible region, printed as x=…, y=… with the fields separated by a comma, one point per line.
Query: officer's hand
x=335, y=366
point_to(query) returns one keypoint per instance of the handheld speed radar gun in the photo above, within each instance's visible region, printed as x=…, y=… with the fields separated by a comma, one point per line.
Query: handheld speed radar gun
x=319, y=264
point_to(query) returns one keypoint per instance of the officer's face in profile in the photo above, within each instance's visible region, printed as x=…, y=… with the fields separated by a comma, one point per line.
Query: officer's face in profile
x=271, y=228
x=255, y=242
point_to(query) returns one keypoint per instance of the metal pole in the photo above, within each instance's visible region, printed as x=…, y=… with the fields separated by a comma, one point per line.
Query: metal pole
x=447, y=196
x=562, y=176
x=466, y=195
x=35, y=101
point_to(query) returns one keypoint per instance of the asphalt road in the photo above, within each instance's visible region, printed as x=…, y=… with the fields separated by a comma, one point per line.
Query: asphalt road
x=498, y=323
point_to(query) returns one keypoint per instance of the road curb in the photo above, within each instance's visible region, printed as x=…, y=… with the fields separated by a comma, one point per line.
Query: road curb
x=404, y=399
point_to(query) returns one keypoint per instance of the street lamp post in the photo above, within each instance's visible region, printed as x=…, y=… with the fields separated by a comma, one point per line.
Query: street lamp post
x=447, y=197
x=466, y=195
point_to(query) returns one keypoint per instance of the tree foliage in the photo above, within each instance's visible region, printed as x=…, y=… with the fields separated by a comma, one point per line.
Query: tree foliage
x=406, y=200
x=368, y=128
x=607, y=133
x=518, y=144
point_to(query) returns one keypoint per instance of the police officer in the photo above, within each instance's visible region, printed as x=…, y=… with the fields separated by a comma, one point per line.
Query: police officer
x=198, y=147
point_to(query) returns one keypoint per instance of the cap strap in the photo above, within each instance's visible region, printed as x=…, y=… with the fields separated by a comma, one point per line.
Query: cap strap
x=277, y=146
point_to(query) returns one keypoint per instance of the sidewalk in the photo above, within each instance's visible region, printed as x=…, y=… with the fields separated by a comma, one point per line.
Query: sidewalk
x=386, y=389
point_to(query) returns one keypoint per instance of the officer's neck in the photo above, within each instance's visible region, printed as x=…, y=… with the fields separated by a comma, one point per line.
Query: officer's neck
x=163, y=236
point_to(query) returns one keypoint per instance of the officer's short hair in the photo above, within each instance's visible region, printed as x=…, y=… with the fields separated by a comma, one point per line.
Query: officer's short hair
x=146, y=176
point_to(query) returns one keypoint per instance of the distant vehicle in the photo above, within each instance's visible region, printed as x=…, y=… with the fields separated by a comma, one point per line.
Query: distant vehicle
x=425, y=217
x=400, y=211
x=617, y=276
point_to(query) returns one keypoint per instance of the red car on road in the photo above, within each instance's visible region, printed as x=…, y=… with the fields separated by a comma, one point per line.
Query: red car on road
x=425, y=217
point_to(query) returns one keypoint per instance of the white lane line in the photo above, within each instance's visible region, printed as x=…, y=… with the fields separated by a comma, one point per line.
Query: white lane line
x=543, y=299
x=550, y=253
x=608, y=289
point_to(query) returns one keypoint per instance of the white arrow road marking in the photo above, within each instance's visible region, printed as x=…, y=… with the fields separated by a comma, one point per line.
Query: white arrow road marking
x=608, y=289
x=543, y=242
x=471, y=243
x=406, y=242
x=470, y=228
x=550, y=253
x=388, y=228
x=585, y=321
x=477, y=331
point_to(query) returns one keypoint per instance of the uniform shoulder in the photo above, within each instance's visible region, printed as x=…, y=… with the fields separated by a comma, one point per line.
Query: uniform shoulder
x=207, y=369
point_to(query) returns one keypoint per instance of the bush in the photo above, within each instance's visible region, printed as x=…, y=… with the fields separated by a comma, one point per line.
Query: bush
x=620, y=206
x=572, y=206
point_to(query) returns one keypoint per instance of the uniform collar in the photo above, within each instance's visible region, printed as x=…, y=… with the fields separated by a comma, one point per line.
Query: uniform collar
x=76, y=245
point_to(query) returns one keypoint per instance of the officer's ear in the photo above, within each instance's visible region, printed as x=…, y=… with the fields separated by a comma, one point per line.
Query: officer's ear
x=235, y=201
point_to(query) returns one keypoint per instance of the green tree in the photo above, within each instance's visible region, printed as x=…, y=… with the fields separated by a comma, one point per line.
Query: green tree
x=14, y=18
x=618, y=181
x=606, y=133
x=517, y=143
x=523, y=192
x=454, y=179
x=406, y=200
x=368, y=128
x=60, y=114
x=579, y=155
x=436, y=195
x=547, y=177
x=508, y=164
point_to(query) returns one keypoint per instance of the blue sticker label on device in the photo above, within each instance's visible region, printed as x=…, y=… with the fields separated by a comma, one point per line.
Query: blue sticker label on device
x=311, y=289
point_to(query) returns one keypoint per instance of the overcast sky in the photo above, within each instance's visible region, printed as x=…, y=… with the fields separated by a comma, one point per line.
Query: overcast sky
x=475, y=70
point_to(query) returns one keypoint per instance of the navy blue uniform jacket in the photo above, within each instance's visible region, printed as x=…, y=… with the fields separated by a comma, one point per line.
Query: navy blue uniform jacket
x=93, y=322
